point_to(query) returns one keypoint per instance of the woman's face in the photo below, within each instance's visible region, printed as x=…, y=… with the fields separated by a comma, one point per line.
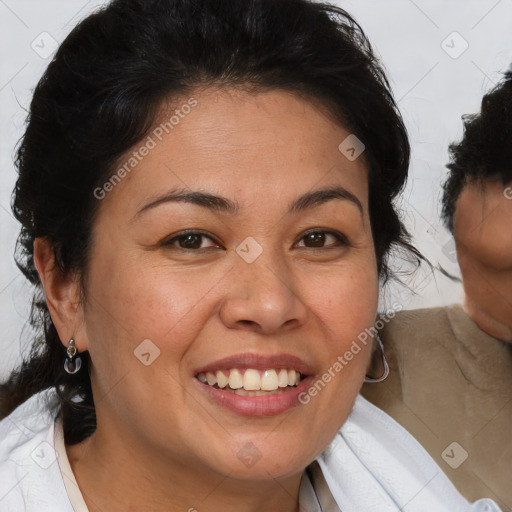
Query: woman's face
x=240, y=241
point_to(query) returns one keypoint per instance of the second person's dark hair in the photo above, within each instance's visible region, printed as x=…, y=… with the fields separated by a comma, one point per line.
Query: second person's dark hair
x=485, y=151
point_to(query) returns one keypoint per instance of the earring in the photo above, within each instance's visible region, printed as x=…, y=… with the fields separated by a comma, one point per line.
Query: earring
x=384, y=362
x=73, y=361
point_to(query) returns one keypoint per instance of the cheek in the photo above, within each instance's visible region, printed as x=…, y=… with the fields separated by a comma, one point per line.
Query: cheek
x=347, y=311
x=344, y=307
x=346, y=301
x=132, y=301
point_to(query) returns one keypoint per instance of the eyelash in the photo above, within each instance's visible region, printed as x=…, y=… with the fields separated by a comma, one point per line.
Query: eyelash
x=341, y=239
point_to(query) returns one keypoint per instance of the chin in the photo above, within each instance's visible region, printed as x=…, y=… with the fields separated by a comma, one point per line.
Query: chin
x=261, y=460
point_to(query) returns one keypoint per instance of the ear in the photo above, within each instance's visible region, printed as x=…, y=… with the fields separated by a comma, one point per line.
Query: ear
x=62, y=294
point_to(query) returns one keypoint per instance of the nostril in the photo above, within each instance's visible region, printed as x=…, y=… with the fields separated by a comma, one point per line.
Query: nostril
x=248, y=323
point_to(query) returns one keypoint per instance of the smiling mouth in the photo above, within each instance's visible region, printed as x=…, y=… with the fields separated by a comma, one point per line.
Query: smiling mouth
x=251, y=382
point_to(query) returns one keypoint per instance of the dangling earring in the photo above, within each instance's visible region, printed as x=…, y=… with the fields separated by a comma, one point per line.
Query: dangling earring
x=73, y=361
x=384, y=362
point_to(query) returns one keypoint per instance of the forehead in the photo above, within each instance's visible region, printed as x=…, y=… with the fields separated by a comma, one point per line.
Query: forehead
x=480, y=201
x=243, y=145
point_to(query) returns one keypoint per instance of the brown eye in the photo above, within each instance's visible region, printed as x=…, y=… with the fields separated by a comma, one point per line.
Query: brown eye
x=322, y=239
x=192, y=241
x=314, y=240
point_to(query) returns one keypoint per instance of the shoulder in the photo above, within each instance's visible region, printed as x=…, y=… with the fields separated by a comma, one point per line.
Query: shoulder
x=413, y=333
x=375, y=464
x=26, y=423
x=444, y=332
x=418, y=323
x=30, y=479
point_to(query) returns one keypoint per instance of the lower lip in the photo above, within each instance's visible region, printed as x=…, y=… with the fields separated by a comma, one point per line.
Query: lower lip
x=257, y=405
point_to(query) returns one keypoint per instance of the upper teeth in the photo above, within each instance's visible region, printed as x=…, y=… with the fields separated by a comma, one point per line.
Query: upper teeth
x=251, y=380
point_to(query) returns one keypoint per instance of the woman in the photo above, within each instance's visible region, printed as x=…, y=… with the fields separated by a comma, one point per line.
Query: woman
x=206, y=197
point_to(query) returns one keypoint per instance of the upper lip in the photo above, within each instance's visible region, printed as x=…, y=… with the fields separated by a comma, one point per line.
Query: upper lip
x=258, y=362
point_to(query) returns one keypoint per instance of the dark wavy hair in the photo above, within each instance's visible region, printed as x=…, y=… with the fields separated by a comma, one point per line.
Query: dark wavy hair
x=485, y=151
x=103, y=91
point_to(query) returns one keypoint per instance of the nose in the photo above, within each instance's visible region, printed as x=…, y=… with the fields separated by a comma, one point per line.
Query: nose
x=264, y=298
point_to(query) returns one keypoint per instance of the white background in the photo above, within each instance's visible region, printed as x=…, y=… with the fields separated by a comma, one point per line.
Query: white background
x=433, y=89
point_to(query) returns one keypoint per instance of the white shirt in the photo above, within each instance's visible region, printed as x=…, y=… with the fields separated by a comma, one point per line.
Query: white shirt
x=372, y=465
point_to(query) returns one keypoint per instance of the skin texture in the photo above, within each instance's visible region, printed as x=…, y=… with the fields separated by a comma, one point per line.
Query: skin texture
x=161, y=443
x=483, y=237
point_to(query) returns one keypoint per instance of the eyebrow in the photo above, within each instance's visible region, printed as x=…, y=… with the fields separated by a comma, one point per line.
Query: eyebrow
x=222, y=204
x=318, y=197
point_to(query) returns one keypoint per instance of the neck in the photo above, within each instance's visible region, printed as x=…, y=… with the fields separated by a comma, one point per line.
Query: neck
x=117, y=475
x=491, y=325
